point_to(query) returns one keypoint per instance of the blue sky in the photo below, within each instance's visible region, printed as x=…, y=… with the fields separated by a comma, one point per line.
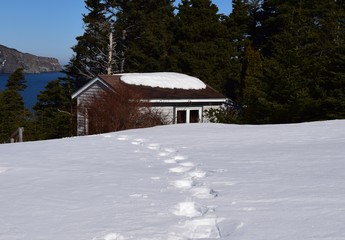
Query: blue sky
x=49, y=27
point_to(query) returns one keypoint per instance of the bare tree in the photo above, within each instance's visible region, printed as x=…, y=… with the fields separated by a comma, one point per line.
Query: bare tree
x=100, y=50
x=114, y=111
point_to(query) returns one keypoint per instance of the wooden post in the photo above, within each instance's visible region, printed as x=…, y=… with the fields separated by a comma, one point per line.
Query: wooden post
x=17, y=136
x=110, y=53
x=20, y=134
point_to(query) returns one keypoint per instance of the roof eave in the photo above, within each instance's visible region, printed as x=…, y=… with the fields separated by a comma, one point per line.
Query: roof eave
x=87, y=85
x=201, y=100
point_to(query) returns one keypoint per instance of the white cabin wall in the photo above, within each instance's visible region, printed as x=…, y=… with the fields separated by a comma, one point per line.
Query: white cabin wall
x=167, y=113
x=208, y=107
x=82, y=100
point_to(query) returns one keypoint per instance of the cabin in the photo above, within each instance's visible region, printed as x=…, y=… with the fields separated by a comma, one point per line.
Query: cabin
x=182, y=98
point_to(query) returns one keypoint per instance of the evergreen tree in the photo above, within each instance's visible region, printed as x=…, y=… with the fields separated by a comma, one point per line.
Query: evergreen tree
x=239, y=25
x=13, y=113
x=253, y=96
x=131, y=36
x=54, y=116
x=201, y=46
x=148, y=34
x=297, y=40
x=17, y=80
x=97, y=50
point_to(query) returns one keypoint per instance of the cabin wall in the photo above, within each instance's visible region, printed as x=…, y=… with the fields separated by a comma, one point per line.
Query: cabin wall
x=169, y=113
x=208, y=107
x=82, y=100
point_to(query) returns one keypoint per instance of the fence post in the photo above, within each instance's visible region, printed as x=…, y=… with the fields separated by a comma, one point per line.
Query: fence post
x=17, y=136
x=20, y=134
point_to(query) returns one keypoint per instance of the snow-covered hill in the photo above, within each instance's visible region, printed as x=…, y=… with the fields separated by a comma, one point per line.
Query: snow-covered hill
x=197, y=181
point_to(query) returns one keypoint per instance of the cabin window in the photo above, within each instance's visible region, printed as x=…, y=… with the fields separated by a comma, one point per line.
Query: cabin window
x=188, y=115
x=181, y=116
x=194, y=116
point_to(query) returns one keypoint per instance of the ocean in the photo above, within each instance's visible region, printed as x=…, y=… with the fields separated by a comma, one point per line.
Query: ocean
x=35, y=84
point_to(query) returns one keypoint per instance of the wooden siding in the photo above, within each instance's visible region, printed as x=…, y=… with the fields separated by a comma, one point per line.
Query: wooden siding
x=84, y=98
x=189, y=100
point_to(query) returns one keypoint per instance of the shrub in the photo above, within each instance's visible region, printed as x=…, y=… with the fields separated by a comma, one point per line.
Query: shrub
x=110, y=111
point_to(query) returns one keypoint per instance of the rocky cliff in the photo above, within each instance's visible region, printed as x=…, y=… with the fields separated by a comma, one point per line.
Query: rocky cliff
x=11, y=59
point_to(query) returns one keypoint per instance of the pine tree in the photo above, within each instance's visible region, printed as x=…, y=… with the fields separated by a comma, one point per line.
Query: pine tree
x=54, y=116
x=13, y=113
x=201, y=46
x=131, y=36
x=98, y=50
x=298, y=44
x=147, y=25
x=253, y=96
x=239, y=25
x=17, y=80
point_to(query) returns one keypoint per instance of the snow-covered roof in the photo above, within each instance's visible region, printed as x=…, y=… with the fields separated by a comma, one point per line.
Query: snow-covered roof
x=170, y=80
x=158, y=85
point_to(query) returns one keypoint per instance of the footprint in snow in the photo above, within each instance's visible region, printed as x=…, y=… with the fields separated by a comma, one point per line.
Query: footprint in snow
x=123, y=137
x=187, y=164
x=163, y=154
x=180, y=169
x=153, y=146
x=138, y=141
x=180, y=158
x=107, y=135
x=111, y=236
x=170, y=150
x=197, y=173
x=166, y=152
x=170, y=161
x=201, y=228
x=183, y=183
x=203, y=192
x=228, y=227
x=189, y=209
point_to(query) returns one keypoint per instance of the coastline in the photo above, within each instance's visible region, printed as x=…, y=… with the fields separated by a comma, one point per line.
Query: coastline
x=36, y=82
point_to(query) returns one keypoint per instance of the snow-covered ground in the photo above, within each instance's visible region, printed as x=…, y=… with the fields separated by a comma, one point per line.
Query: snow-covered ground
x=197, y=181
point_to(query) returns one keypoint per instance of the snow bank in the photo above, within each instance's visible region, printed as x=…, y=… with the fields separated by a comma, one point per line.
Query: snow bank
x=163, y=80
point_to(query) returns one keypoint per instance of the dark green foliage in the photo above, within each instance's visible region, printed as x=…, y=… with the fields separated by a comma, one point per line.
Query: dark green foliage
x=289, y=59
x=16, y=81
x=239, y=25
x=283, y=61
x=300, y=59
x=54, y=116
x=148, y=37
x=253, y=97
x=93, y=47
x=201, y=45
x=13, y=113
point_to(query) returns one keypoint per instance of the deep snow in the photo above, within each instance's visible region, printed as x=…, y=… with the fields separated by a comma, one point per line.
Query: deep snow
x=196, y=181
x=163, y=80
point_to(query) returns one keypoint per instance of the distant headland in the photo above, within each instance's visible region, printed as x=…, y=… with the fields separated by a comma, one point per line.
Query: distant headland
x=11, y=59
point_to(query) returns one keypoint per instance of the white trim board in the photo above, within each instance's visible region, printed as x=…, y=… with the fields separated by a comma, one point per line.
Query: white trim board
x=187, y=100
x=86, y=86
